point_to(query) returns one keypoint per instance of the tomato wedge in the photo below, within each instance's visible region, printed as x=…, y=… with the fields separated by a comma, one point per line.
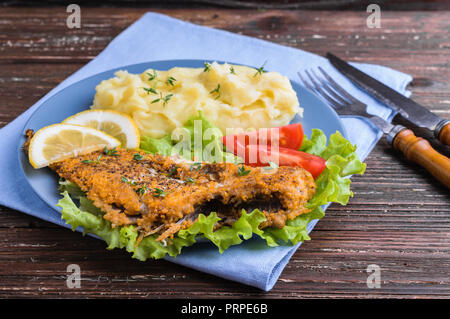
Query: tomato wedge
x=289, y=136
x=278, y=144
x=259, y=155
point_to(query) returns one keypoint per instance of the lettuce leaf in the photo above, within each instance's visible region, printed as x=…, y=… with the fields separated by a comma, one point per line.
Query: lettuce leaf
x=127, y=236
x=161, y=146
x=333, y=185
x=182, y=142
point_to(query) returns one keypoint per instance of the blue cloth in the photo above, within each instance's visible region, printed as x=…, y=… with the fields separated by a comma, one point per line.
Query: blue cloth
x=158, y=37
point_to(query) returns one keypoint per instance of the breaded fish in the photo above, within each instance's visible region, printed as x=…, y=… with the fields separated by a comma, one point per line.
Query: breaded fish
x=165, y=194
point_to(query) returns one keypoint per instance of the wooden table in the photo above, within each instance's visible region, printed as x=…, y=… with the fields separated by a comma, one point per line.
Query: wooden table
x=398, y=219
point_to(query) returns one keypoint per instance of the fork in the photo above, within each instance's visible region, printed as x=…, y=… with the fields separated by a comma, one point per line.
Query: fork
x=415, y=149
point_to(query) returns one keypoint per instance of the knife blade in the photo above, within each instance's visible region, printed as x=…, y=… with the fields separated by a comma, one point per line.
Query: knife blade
x=409, y=110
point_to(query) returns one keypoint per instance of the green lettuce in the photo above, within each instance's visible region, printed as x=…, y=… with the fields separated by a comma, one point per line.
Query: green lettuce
x=127, y=236
x=333, y=185
x=182, y=142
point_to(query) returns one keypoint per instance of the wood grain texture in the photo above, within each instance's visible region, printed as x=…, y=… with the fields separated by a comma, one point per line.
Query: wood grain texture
x=399, y=217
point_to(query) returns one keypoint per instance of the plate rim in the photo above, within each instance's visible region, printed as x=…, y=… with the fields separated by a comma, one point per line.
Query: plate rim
x=343, y=130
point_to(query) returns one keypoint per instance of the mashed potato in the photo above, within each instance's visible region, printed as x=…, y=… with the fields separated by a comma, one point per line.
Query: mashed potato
x=230, y=97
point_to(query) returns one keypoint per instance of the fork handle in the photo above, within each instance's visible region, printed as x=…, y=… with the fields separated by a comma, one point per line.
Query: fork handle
x=419, y=150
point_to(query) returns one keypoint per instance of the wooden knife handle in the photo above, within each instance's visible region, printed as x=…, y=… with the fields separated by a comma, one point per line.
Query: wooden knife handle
x=444, y=135
x=419, y=150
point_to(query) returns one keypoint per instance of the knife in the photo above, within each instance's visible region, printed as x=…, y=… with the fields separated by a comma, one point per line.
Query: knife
x=410, y=111
x=416, y=149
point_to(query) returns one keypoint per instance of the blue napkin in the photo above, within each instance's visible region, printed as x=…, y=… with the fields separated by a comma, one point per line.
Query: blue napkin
x=252, y=262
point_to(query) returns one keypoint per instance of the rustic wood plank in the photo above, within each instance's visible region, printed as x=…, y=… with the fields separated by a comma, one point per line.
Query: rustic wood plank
x=398, y=219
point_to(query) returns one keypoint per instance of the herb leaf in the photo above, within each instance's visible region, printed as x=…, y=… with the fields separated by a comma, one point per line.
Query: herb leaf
x=170, y=81
x=142, y=190
x=216, y=90
x=126, y=180
x=167, y=98
x=110, y=152
x=242, y=171
x=190, y=180
x=164, y=99
x=207, y=67
x=232, y=70
x=152, y=76
x=150, y=90
x=158, y=193
x=138, y=157
x=260, y=70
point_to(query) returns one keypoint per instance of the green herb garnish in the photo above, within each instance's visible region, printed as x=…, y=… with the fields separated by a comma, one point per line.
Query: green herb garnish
x=207, y=67
x=260, y=70
x=170, y=81
x=232, y=70
x=242, y=171
x=216, y=90
x=190, y=180
x=164, y=99
x=142, y=190
x=97, y=161
x=126, y=180
x=138, y=157
x=153, y=76
x=110, y=152
x=159, y=193
x=150, y=90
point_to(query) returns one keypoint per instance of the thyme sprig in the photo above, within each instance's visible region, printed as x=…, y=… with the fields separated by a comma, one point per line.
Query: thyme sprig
x=216, y=91
x=150, y=90
x=152, y=76
x=171, y=80
x=207, y=67
x=142, y=190
x=242, y=171
x=129, y=182
x=164, y=99
x=158, y=192
x=110, y=152
x=97, y=161
x=260, y=70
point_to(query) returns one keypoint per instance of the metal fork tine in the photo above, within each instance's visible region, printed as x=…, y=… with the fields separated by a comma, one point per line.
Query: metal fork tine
x=321, y=92
x=338, y=88
x=305, y=82
x=330, y=90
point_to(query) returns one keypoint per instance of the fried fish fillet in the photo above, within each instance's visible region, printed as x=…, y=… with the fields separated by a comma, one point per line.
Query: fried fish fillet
x=165, y=194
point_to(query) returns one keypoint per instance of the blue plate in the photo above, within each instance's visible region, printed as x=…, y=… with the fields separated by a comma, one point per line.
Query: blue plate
x=79, y=96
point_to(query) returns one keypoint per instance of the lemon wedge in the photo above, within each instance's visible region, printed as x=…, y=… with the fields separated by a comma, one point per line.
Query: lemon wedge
x=114, y=123
x=57, y=142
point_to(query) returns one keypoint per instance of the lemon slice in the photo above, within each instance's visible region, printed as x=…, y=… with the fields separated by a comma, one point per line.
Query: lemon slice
x=57, y=142
x=114, y=123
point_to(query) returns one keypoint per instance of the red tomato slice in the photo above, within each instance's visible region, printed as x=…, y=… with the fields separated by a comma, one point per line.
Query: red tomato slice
x=289, y=136
x=256, y=155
